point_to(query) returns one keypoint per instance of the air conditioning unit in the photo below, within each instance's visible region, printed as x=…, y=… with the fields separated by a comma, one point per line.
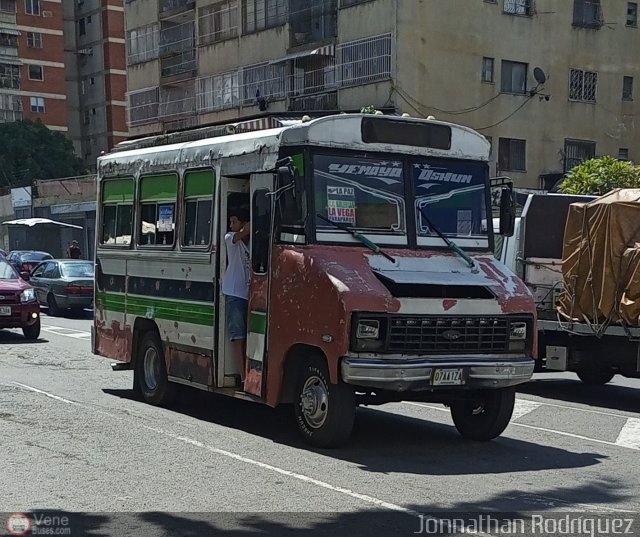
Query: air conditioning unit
x=46, y=14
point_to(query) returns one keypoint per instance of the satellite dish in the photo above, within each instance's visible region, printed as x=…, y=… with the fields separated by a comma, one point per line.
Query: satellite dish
x=539, y=75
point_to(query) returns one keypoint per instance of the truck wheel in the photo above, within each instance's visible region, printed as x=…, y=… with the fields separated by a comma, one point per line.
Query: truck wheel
x=485, y=414
x=595, y=376
x=151, y=372
x=32, y=331
x=324, y=412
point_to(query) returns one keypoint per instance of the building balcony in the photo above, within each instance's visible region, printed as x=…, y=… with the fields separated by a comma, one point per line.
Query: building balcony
x=314, y=103
x=8, y=17
x=177, y=39
x=9, y=116
x=171, y=8
x=181, y=66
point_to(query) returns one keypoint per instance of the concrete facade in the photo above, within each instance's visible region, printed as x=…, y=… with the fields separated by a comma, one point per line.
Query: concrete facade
x=200, y=62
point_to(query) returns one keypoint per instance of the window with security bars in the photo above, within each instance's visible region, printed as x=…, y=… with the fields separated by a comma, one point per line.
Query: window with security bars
x=583, y=86
x=632, y=14
x=587, y=13
x=9, y=76
x=262, y=14
x=487, y=69
x=512, y=154
x=143, y=106
x=623, y=153
x=364, y=60
x=10, y=107
x=518, y=7
x=143, y=44
x=8, y=6
x=627, y=88
x=218, y=22
x=217, y=92
x=265, y=80
x=513, y=77
x=311, y=21
x=576, y=152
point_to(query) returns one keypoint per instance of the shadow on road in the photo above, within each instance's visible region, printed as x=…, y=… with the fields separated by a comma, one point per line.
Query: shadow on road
x=383, y=442
x=16, y=338
x=609, y=396
x=498, y=515
x=70, y=314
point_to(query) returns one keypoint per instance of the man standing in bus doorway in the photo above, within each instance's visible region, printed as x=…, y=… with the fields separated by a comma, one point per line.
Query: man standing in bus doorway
x=235, y=284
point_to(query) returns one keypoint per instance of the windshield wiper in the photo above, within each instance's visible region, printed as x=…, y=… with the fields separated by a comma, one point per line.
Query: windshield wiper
x=448, y=242
x=358, y=236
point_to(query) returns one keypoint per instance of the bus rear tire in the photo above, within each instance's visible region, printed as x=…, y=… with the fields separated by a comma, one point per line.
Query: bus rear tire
x=324, y=412
x=151, y=372
x=485, y=414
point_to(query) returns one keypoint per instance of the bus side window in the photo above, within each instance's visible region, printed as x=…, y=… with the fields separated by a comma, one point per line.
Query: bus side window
x=261, y=224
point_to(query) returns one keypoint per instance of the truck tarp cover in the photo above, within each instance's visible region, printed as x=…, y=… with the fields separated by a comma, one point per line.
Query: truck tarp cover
x=601, y=260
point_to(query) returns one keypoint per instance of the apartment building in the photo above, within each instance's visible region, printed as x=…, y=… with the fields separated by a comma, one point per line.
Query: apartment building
x=63, y=64
x=549, y=82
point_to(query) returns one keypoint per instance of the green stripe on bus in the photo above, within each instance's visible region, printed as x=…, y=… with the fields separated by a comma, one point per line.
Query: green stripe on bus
x=298, y=163
x=258, y=322
x=189, y=312
x=117, y=190
x=198, y=183
x=159, y=187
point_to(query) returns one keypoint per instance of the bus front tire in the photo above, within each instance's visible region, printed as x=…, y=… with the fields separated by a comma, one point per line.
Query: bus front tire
x=485, y=414
x=324, y=412
x=151, y=372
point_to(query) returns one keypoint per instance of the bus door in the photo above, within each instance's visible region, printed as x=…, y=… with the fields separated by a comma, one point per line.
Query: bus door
x=260, y=246
x=234, y=193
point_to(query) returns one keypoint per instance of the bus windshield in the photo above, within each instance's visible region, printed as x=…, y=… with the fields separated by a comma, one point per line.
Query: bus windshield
x=360, y=192
x=452, y=195
x=379, y=196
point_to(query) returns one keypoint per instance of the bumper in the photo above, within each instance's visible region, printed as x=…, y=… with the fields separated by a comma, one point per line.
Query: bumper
x=74, y=302
x=21, y=315
x=418, y=374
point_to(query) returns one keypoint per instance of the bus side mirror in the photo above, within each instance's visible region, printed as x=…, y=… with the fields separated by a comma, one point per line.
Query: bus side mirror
x=288, y=175
x=507, y=212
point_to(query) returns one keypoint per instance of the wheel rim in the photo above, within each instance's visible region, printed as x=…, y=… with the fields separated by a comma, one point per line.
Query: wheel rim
x=314, y=402
x=151, y=369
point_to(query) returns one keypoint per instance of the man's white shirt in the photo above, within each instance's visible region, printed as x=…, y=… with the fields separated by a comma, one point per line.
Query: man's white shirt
x=236, y=278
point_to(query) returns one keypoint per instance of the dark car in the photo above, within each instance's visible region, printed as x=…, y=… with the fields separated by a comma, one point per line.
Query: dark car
x=18, y=305
x=26, y=260
x=64, y=284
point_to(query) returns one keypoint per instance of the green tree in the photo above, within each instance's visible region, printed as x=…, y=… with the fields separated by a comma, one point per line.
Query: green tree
x=29, y=151
x=598, y=176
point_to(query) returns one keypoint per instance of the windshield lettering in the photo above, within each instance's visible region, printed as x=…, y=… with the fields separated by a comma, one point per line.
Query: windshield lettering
x=373, y=171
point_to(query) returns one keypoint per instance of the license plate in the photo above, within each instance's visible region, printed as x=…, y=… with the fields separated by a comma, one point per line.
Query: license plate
x=5, y=310
x=448, y=377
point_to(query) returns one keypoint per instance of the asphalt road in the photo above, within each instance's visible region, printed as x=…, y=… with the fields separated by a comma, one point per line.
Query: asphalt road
x=75, y=438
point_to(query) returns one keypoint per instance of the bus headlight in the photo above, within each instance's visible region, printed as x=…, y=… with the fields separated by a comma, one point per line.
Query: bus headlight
x=368, y=334
x=518, y=331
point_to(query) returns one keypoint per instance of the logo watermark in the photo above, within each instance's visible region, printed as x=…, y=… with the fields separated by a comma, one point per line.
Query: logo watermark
x=579, y=524
x=38, y=524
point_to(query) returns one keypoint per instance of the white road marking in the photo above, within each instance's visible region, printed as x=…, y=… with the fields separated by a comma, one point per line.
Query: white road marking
x=629, y=436
x=524, y=407
x=67, y=332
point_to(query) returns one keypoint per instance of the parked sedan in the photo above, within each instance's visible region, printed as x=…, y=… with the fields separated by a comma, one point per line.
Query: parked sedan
x=18, y=305
x=26, y=260
x=64, y=284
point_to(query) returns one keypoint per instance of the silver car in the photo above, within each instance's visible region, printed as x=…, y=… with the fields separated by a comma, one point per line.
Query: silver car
x=64, y=284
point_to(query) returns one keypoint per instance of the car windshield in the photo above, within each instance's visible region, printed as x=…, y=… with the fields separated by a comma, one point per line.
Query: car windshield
x=77, y=270
x=360, y=192
x=35, y=256
x=452, y=196
x=7, y=272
